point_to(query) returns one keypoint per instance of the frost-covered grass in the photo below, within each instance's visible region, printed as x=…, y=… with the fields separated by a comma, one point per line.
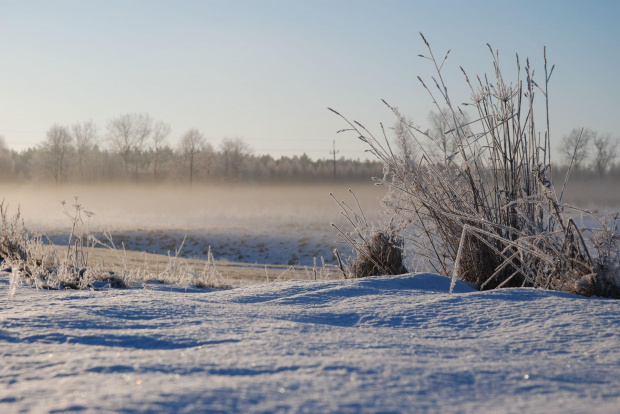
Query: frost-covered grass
x=381, y=344
x=83, y=259
x=73, y=265
x=485, y=208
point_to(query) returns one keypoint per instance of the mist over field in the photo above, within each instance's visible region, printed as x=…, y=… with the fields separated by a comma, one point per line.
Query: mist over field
x=595, y=193
x=271, y=224
x=263, y=223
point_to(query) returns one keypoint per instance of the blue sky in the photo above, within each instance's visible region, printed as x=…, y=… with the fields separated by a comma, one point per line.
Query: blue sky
x=266, y=71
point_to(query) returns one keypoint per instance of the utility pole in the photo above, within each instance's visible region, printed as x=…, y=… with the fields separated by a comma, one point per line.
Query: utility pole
x=334, y=152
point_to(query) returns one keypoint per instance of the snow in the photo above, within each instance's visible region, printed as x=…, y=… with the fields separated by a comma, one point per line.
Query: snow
x=382, y=344
x=272, y=243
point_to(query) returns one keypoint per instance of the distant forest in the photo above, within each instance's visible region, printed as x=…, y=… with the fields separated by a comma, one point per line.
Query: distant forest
x=134, y=148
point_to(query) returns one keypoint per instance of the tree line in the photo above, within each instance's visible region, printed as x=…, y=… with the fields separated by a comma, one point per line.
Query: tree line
x=136, y=148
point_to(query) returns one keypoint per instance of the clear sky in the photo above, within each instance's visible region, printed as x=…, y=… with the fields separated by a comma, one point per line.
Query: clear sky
x=267, y=70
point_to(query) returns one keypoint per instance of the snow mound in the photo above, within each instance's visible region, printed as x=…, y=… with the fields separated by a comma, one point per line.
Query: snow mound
x=381, y=344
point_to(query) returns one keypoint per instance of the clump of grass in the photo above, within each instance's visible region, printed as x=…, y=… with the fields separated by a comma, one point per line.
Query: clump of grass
x=20, y=251
x=14, y=240
x=322, y=272
x=378, y=251
x=381, y=254
x=605, y=280
x=178, y=271
x=31, y=262
x=488, y=212
x=74, y=271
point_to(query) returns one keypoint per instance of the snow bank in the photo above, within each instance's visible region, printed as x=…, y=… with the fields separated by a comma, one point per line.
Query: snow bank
x=388, y=344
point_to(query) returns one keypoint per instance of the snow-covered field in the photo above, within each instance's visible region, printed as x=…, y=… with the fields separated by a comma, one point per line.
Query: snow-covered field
x=275, y=244
x=386, y=344
x=284, y=224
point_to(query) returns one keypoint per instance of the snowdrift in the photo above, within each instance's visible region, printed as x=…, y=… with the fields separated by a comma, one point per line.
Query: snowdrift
x=383, y=344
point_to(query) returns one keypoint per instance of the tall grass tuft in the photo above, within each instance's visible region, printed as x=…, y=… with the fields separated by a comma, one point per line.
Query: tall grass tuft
x=20, y=251
x=378, y=249
x=33, y=263
x=489, y=213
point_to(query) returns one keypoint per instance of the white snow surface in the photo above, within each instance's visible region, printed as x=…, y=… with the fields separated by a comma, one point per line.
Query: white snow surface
x=277, y=244
x=382, y=344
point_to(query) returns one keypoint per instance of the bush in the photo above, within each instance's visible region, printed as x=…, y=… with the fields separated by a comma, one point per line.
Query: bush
x=490, y=214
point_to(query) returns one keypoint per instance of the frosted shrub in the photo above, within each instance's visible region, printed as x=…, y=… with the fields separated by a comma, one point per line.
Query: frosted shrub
x=489, y=213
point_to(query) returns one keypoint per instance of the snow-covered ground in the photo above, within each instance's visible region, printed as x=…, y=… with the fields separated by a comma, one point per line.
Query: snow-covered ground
x=278, y=243
x=385, y=344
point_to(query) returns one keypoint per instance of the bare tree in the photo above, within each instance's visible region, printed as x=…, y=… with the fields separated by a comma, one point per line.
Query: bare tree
x=6, y=160
x=575, y=147
x=159, y=135
x=84, y=135
x=208, y=160
x=55, y=152
x=127, y=134
x=442, y=124
x=191, y=144
x=605, y=151
x=233, y=152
